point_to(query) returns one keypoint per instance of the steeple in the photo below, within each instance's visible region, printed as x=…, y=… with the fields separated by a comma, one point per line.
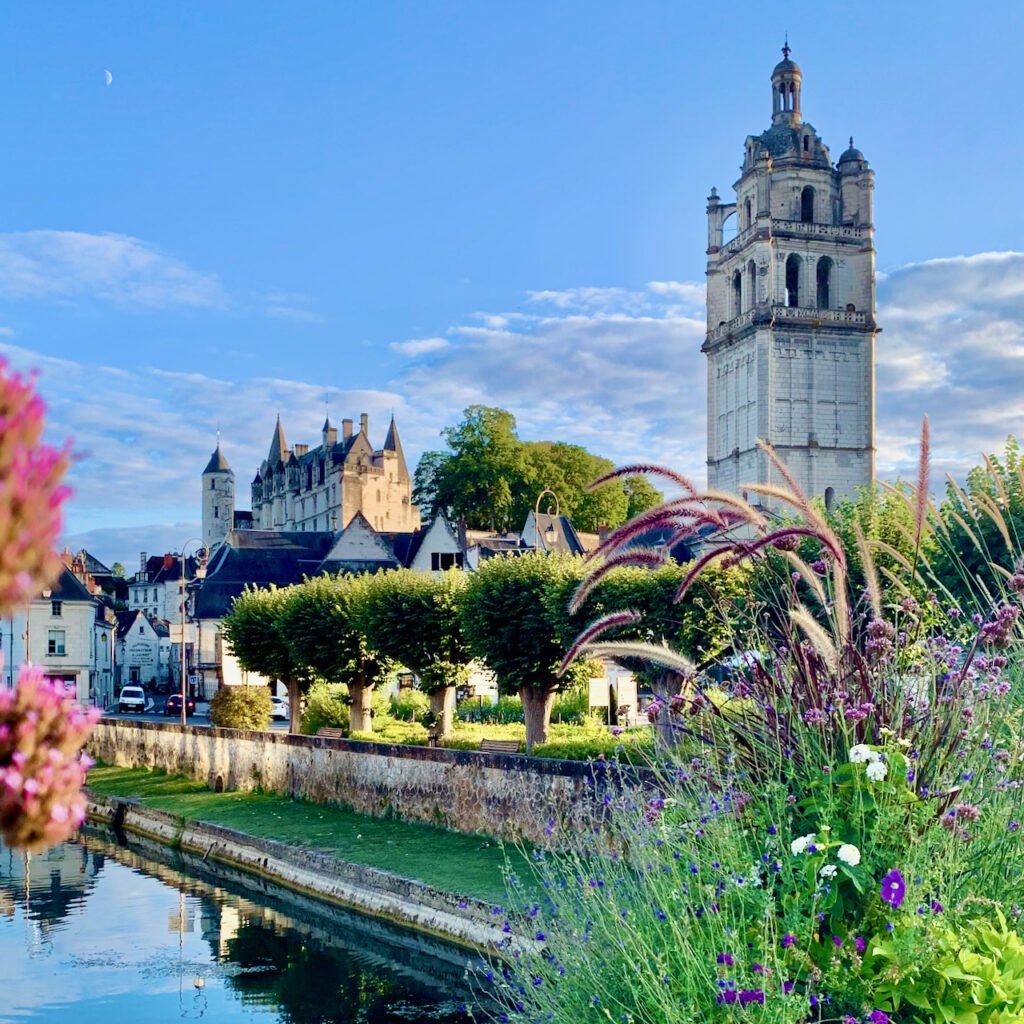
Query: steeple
x=786, y=78
x=278, y=445
x=217, y=463
x=392, y=443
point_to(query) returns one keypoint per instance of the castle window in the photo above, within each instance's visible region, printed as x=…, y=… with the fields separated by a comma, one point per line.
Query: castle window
x=807, y=144
x=737, y=293
x=216, y=512
x=751, y=284
x=213, y=485
x=807, y=205
x=824, y=275
x=746, y=207
x=793, y=279
x=830, y=498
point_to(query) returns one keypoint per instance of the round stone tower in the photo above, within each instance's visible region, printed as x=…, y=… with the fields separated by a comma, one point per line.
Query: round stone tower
x=218, y=499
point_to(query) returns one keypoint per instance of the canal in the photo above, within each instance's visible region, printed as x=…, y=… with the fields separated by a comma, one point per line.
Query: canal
x=94, y=932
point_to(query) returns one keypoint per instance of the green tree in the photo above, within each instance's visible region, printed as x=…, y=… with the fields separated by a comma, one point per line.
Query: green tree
x=241, y=707
x=515, y=616
x=641, y=495
x=413, y=618
x=567, y=469
x=251, y=630
x=319, y=627
x=118, y=570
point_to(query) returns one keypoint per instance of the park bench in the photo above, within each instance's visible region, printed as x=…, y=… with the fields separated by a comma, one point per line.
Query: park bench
x=330, y=732
x=499, y=746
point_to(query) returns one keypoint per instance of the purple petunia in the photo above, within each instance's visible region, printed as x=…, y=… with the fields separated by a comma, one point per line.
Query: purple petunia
x=894, y=888
x=788, y=940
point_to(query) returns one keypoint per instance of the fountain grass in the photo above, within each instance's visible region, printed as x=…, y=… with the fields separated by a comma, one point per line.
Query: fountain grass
x=467, y=865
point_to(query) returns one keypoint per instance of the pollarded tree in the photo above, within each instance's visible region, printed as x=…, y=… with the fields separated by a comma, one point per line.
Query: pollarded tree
x=515, y=616
x=319, y=628
x=250, y=628
x=413, y=618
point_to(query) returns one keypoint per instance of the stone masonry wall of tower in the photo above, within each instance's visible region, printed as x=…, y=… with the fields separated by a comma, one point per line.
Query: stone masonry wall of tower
x=791, y=310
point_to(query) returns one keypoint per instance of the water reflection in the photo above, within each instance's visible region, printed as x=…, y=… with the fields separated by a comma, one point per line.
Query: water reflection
x=94, y=932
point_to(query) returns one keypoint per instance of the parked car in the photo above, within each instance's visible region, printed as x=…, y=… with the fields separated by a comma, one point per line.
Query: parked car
x=133, y=699
x=279, y=709
x=173, y=705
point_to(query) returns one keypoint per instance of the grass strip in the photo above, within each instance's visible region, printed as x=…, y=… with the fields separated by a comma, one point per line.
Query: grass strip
x=464, y=865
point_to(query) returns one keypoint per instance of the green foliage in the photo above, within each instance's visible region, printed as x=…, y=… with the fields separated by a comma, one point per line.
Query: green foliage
x=241, y=707
x=117, y=569
x=326, y=707
x=980, y=534
x=251, y=629
x=409, y=706
x=492, y=478
x=502, y=711
x=516, y=619
x=413, y=619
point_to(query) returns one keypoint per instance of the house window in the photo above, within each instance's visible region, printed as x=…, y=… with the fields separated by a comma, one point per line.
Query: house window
x=55, y=643
x=216, y=512
x=441, y=560
x=56, y=607
x=142, y=629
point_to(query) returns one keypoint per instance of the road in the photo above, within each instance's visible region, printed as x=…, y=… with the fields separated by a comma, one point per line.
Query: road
x=157, y=715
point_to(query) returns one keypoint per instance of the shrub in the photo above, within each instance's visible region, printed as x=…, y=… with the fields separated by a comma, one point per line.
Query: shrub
x=409, y=705
x=326, y=706
x=241, y=707
x=572, y=706
x=504, y=710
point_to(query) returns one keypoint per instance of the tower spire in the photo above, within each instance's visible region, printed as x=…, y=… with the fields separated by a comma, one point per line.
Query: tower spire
x=785, y=47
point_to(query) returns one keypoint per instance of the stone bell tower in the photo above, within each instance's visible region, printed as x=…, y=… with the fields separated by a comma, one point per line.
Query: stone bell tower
x=791, y=310
x=218, y=499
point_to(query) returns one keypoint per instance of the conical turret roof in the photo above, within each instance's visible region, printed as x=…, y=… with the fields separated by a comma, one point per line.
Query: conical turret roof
x=217, y=463
x=278, y=445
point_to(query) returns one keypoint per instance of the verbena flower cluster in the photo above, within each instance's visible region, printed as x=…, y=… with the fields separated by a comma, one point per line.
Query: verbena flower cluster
x=42, y=769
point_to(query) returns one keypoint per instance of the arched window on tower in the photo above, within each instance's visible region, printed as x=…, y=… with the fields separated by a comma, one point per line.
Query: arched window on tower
x=824, y=275
x=807, y=205
x=830, y=498
x=793, y=279
x=747, y=209
x=737, y=293
x=751, y=285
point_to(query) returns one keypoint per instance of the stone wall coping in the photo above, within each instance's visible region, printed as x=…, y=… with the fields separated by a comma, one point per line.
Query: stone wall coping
x=441, y=755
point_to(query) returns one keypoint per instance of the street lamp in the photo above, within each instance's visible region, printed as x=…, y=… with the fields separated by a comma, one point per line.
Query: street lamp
x=551, y=532
x=184, y=676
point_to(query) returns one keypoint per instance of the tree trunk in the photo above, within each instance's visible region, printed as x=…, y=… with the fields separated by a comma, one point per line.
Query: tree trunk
x=359, y=713
x=294, y=705
x=537, y=706
x=442, y=707
x=664, y=687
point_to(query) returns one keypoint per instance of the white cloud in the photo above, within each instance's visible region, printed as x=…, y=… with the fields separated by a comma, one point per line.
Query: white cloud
x=70, y=266
x=291, y=306
x=419, y=346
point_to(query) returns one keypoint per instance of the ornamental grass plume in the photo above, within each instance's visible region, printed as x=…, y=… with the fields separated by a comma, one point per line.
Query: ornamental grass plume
x=42, y=768
x=31, y=493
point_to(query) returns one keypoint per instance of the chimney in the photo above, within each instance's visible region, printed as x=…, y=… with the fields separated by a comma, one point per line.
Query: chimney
x=142, y=562
x=346, y=429
x=363, y=419
x=168, y=562
x=301, y=449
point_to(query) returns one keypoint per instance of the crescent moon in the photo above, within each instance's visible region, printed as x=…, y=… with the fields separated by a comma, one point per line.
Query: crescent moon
x=108, y=76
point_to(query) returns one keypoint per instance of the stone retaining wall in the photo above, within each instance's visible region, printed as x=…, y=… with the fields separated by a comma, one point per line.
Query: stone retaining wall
x=508, y=796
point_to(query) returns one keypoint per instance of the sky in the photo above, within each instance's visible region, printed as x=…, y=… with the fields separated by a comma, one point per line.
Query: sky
x=412, y=207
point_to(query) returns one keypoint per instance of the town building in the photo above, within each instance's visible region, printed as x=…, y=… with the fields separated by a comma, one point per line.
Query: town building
x=791, y=310
x=143, y=651
x=157, y=587
x=70, y=633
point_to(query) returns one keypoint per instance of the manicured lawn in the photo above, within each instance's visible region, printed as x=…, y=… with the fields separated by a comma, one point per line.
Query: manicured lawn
x=466, y=865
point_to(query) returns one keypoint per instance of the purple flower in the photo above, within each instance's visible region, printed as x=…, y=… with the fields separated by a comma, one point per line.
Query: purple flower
x=725, y=958
x=787, y=987
x=837, y=942
x=860, y=944
x=878, y=1017
x=751, y=995
x=788, y=940
x=893, y=890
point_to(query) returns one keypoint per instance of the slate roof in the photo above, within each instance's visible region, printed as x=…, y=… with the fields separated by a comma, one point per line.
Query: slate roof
x=278, y=445
x=260, y=558
x=565, y=541
x=68, y=587
x=217, y=463
x=167, y=568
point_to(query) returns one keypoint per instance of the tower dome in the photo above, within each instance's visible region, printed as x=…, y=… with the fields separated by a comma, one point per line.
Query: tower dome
x=786, y=78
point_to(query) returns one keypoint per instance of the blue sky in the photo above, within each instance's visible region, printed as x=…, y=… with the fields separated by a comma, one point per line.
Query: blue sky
x=418, y=206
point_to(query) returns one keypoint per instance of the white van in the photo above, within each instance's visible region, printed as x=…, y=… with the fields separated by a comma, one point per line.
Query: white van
x=133, y=699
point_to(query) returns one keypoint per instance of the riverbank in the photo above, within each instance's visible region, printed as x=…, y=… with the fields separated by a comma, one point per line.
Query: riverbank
x=426, y=878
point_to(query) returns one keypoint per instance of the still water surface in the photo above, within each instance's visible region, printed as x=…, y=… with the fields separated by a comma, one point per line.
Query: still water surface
x=96, y=933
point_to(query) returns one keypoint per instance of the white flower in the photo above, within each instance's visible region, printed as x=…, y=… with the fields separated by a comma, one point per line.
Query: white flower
x=828, y=871
x=861, y=753
x=849, y=854
x=802, y=842
x=877, y=771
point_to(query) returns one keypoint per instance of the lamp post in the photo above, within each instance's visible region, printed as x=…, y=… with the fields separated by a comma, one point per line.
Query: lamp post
x=184, y=670
x=536, y=516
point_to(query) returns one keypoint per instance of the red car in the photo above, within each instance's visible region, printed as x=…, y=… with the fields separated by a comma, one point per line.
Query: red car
x=173, y=706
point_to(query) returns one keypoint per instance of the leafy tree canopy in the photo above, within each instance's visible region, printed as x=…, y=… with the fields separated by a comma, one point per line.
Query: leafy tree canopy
x=492, y=478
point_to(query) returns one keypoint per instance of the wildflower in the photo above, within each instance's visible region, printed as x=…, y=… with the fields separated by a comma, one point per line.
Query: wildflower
x=837, y=942
x=877, y=770
x=788, y=940
x=848, y=854
x=860, y=943
x=894, y=888
x=751, y=995
x=862, y=753
x=936, y=907
x=815, y=716
x=800, y=844
x=828, y=871
x=967, y=812
x=878, y=1017
x=725, y=958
